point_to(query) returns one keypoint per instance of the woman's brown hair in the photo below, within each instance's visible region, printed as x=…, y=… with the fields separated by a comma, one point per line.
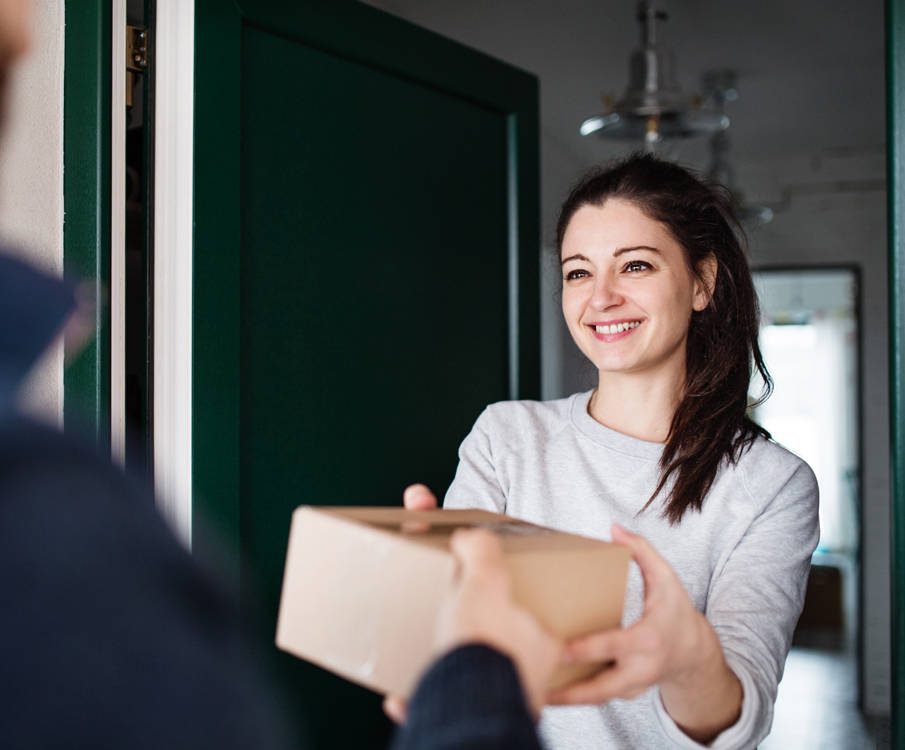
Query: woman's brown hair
x=711, y=425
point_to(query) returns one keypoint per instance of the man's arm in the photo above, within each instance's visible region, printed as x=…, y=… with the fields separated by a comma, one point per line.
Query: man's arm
x=469, y=699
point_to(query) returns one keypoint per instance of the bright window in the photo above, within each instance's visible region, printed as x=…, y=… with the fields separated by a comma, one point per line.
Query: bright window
x=809, y=343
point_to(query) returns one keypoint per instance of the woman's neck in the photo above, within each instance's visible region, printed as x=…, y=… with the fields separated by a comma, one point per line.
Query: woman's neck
x=637, y=405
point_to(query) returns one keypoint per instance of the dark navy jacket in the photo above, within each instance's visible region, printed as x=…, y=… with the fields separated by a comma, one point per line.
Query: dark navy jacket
x=112, y=637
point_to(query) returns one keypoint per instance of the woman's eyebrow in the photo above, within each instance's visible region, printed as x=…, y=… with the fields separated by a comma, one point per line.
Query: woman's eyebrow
x=616, y=254
x=622, y=250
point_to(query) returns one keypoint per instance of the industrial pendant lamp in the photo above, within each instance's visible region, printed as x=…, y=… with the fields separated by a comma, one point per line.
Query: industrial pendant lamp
x=720, y=87
x=653, y=107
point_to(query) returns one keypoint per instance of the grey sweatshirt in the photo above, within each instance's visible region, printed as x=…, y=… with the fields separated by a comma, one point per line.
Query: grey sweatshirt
x=743, y=559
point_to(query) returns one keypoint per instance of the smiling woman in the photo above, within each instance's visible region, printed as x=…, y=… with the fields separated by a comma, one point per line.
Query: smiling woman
x=658, y=295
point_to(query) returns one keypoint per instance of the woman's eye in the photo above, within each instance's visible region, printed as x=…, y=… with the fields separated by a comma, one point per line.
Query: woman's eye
x=633, y=266
x=577, y=273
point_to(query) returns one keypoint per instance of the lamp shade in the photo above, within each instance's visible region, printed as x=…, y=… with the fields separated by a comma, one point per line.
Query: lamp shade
x=653, y=107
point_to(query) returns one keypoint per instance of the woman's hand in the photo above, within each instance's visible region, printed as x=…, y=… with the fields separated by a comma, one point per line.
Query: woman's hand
x=418, y=497
x=672, y=646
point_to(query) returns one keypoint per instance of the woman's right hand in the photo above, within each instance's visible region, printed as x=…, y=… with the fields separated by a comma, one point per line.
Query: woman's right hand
x=418, y=497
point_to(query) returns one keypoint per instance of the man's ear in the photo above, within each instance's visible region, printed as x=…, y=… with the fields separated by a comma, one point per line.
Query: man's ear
x=704, y=282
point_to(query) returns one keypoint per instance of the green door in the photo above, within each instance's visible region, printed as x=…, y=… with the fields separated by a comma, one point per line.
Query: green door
x=365, y=281
x=86, y=208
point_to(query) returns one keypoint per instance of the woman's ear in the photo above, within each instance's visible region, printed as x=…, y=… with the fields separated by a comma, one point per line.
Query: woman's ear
x=704, y=283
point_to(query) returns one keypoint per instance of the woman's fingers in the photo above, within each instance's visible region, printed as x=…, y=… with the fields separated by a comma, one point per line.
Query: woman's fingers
x=604, y=646
x=418, y=497
x=653, y=567
x=395, y=708
x=612, y=682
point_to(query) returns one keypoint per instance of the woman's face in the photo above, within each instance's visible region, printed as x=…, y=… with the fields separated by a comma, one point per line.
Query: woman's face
x=628, y=293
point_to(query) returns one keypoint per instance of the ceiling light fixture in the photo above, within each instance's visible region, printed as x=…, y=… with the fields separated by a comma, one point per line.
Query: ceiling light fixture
x=720, y=87
x=653, y=107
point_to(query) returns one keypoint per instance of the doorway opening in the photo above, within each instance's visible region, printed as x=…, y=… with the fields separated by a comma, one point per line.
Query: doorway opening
x=139, y=266
x=809, y=338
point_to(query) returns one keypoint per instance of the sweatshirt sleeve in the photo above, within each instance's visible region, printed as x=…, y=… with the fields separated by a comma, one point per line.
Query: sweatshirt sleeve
x=755, y=601
x=476, y=484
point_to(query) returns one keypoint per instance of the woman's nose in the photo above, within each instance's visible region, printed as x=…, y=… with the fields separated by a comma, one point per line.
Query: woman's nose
x=605, y=294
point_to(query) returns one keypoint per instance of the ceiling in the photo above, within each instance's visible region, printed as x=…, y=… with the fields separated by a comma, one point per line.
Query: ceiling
x=811, y=72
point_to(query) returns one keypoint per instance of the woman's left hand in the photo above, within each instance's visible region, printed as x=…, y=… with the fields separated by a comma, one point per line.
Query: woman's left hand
x=672, y=645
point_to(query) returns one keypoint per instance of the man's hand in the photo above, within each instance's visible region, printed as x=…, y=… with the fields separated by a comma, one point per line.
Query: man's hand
x=480, y=609
x=414, y=497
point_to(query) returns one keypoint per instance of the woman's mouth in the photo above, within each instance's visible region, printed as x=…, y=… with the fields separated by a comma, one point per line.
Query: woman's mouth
x=614, y=331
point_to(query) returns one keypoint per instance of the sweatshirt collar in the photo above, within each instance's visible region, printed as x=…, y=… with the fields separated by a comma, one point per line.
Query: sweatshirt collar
x=602, y=435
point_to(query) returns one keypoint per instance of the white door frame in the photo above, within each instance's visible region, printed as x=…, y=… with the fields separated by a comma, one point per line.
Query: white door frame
x=174, y=50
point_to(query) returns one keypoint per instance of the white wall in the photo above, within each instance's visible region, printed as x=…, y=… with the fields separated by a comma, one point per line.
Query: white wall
x=31, y=179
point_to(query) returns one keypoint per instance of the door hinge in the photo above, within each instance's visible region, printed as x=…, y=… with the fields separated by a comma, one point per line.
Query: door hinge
x=136, y=57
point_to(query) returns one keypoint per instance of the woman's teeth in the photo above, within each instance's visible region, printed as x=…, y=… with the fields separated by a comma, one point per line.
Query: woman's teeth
x=617, y=327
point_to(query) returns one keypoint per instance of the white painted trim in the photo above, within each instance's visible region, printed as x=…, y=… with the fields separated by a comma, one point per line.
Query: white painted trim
x=174, y=41
x=118, y=234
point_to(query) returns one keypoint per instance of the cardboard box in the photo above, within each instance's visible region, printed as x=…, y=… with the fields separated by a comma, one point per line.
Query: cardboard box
x=362, y=587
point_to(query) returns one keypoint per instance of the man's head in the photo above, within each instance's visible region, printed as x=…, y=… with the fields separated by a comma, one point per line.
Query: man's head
x=15, y=39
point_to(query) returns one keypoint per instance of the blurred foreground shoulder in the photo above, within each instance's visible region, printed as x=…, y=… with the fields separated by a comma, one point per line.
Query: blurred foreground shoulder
x=110, y=623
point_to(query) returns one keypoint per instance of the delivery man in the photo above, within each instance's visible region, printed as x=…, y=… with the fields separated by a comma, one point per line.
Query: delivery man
x=113, y=637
